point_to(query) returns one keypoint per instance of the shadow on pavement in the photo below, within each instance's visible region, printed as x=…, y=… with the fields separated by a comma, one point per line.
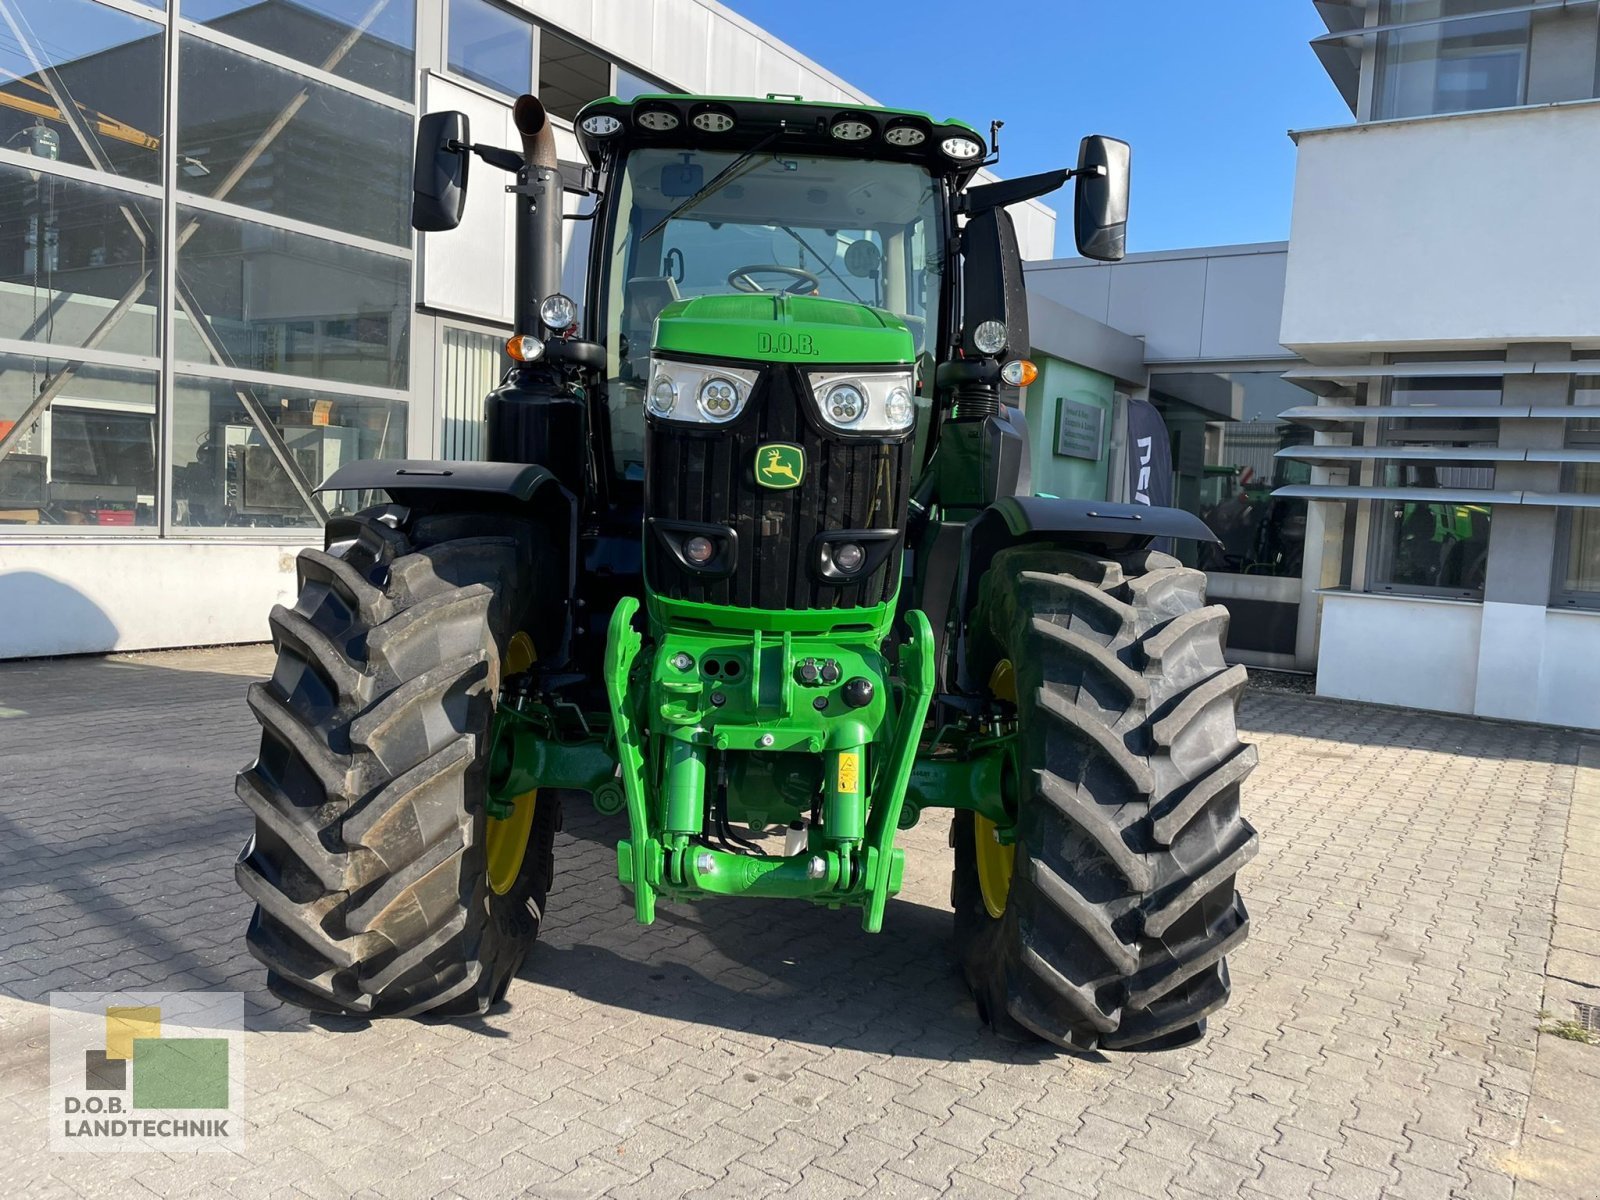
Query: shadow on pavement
x=768, y=968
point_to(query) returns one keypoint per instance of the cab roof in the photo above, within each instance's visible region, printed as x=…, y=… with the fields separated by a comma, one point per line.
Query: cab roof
x=739, y=123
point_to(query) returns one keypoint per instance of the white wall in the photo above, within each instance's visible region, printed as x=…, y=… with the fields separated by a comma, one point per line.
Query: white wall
x=1569, y=656
x=88, y=595
x=1518, y=662
x=1460, y=230
x=1399, y=650
x=1223, y=303
x=696, y=44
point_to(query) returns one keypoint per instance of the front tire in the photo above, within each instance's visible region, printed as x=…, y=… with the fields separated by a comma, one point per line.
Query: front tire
x=1121, y=905
x=367, y=864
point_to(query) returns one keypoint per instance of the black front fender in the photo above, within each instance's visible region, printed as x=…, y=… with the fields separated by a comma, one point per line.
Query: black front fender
x=405, y=477
x=1095, y=526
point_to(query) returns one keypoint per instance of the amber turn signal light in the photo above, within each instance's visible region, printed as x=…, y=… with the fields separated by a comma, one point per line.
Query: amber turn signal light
x=1019, y=372
x=525, y=348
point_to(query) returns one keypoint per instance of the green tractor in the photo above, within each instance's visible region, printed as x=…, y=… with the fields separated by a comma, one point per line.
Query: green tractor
x=754, y=566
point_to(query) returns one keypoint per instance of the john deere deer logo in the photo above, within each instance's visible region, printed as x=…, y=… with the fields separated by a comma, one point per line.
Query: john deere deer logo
x=780, y=465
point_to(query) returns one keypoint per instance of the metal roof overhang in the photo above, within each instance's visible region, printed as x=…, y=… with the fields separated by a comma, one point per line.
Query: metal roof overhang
x=1331, y=415
x=1339, y=492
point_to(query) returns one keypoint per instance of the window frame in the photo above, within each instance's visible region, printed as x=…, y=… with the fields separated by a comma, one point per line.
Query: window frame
x=1562, y=596
x=1381, y=545
x=450, y=72
x=1383, y=39
x=614, y=65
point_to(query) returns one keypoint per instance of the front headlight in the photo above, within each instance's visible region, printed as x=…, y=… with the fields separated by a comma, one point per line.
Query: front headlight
x=709, y=395
x=558, y=312
x=878, y=402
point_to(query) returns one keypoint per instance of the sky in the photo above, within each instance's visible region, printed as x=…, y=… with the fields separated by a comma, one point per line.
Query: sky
x=1206, y=93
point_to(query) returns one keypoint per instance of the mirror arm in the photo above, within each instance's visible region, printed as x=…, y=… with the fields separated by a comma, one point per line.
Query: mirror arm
x=1006, y=192
x=506, y=160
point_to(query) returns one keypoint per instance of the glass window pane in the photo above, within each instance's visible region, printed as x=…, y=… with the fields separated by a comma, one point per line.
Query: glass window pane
x=1583, y=548
x=318, y=33
x=569, y=75
x=1397, y=12
x=630, y=86
x=1432, y=546
x=1456, y=66
x=339, y=161
x=490, y=45
x=1445, y=391
x=77, y=260
x=106, y=65
x=87, y=460
x=225, y=472
x=1233, y=419
x=296, y=305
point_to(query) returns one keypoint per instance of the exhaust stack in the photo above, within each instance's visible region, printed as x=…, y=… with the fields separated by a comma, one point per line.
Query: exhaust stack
x=539, y=200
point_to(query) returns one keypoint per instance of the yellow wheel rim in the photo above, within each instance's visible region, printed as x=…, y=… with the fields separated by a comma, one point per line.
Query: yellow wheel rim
x=996, y=860
x=506, y=841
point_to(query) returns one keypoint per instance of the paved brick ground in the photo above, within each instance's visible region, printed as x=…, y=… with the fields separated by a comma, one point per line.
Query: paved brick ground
x=1381, y=1042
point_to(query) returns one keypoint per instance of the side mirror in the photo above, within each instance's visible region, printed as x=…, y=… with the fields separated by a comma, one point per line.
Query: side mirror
x=439, y=175
x=1100, y=211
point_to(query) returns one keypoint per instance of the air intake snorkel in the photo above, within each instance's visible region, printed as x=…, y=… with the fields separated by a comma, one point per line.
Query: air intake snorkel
x=539, y=202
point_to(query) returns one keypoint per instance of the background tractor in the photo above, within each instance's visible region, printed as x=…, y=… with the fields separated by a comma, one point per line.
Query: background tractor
x=755, y=567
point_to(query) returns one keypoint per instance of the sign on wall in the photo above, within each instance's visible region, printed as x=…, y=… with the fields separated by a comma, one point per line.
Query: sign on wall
x=1080, y=429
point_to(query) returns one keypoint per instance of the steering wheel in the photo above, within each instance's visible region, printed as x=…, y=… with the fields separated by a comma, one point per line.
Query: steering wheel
x=805, y=283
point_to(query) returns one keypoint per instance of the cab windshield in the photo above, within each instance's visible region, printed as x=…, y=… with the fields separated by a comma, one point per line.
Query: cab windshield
x=703, y=223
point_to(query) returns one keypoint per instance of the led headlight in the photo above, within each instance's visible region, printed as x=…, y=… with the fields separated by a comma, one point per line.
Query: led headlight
x=904, y=134
x=864, y=402
x=601, y=125
x=719, y=398
x=656, y=120
x=718, y=393
x=713, y=118
x=851, y=129
x=844, y=403
x=558, y=312
x=962, y=148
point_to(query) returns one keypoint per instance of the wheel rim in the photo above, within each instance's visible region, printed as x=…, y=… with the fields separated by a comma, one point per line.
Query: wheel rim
x=996, y=859
x=506, y=839
x=507, y=842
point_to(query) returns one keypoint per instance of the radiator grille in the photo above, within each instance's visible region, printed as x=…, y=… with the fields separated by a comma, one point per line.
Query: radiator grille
x=707, y=475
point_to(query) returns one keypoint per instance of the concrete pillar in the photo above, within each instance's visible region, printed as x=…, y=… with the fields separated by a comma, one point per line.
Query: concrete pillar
x=1522, y=544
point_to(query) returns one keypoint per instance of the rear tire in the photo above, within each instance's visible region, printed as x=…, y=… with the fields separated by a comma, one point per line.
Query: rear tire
x=1122, y=905
x=367, y=862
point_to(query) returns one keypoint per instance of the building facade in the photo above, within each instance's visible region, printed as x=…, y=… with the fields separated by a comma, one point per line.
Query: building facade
x=1206, y=325
x=1392, y=421
x=1443, y=288
x=210, y=296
